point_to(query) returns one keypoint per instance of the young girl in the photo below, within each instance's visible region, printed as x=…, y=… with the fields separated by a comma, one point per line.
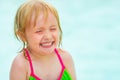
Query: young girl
x=37, y=26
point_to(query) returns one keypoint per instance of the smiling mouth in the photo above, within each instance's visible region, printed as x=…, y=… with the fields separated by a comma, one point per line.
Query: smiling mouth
x=47, y=44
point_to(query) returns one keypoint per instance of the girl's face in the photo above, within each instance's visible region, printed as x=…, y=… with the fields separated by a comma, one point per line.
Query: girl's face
x=44, y=36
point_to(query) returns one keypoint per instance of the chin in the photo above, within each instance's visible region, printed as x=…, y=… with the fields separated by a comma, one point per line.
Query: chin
x=48, y=50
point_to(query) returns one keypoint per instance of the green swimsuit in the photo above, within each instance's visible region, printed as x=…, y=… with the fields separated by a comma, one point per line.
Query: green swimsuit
x=64, y=75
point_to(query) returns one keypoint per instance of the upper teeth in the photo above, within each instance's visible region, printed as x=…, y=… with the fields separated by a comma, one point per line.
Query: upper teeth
x=46, y=44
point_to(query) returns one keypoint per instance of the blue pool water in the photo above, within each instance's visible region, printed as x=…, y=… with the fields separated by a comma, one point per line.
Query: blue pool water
x=91, y=33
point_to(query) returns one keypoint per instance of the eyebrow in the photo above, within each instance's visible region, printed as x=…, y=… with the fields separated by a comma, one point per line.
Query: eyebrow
x=43, y=27
x=53, y=26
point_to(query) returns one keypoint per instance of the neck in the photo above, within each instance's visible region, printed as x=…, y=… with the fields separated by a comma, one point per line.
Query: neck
x=40, y=56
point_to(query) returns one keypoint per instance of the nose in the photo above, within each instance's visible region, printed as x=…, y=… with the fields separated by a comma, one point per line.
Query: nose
x=47, y=35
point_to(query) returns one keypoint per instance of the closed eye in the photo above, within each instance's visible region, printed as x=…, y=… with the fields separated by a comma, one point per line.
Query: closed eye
x=53, y=29
x=39, y=31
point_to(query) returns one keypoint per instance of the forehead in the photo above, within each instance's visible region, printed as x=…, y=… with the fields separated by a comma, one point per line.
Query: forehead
x=43, y=19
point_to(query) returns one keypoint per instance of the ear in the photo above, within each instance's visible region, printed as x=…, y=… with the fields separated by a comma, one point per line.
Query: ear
x=21, y=35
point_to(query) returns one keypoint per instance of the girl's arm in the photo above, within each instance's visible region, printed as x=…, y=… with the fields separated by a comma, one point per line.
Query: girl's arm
x=18, y=70
x=69, y=64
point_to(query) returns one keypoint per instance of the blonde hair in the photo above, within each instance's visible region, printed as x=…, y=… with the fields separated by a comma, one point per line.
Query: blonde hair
x=24, y=15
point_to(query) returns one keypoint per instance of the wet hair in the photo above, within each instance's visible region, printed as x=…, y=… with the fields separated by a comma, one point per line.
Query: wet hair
x=24, y=15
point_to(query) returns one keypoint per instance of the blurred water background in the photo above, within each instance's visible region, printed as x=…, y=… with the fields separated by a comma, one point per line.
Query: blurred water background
x=91, y=33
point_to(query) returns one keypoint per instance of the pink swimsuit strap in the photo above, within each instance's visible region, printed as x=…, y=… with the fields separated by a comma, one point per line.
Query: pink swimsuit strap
x=30, y=61
x=61, y=62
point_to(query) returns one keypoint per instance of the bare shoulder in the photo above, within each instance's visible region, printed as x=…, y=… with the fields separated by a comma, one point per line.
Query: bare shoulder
x=18, y=68
x=66, y=56
x=19, y=60
x=68, y=62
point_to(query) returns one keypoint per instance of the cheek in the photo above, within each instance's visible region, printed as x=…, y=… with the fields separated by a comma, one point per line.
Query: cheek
x=56, y=36
x=33, y=38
